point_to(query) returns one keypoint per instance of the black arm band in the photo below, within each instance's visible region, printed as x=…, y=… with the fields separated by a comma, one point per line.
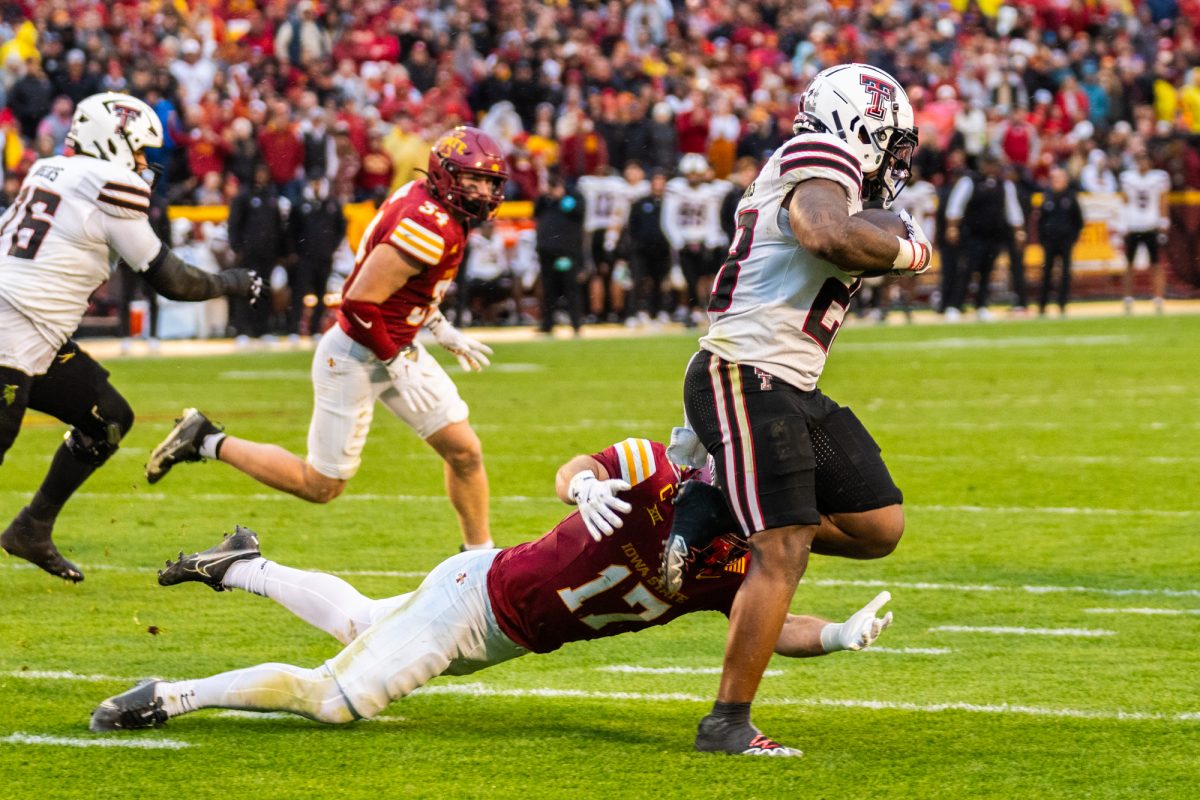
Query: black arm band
x=175, y=279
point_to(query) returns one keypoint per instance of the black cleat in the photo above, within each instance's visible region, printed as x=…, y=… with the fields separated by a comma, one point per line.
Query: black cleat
x=31, y=540
x=701, y=515
x=209, y=566
x=182, y=444
x=136, y=708
x=716, y=735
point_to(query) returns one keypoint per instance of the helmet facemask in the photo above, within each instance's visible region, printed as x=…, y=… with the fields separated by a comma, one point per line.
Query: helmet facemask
x=898, y=146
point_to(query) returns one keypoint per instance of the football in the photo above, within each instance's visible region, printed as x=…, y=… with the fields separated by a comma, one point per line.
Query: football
x=885, y=220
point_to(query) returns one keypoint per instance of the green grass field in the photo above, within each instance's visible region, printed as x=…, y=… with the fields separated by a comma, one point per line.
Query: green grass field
x=1049, y=470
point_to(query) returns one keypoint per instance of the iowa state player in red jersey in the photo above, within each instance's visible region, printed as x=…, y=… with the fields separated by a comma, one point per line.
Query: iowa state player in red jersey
x=408, y=257
x=594, y=575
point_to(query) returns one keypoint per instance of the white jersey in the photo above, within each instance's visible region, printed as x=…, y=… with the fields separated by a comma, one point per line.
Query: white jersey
x=691, y=215
x=774, y=305
x=606, y=201
x=73, y=219
x=920, y=200
x=486, y=260
x=1143, y=198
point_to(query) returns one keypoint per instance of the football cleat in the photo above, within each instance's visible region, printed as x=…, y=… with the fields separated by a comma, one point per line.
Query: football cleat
x=30, y=539
x=209, y=566
x=182, y=444
x=136, y=708
x=716, y=735
x=701, y=515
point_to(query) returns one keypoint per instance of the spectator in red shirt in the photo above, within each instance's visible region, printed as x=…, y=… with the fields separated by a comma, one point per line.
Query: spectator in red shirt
x=282, y=150
x=375, y=174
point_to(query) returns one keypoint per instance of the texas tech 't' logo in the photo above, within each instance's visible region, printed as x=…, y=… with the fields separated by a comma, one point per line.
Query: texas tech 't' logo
x=125, y=114
x=881, y=94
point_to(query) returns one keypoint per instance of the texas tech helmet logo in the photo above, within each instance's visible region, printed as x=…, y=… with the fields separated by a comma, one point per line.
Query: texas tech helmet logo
x=881, y=94
x=125, y=114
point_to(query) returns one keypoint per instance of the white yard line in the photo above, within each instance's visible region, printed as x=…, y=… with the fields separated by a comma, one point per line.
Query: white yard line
x=1085, y=632
x=66, y=675
x=1166, y=612
x=16, y=564
x=634, y=669
x=79, y=741
x=909, y=651
x=481, y=690
x=1063, y=510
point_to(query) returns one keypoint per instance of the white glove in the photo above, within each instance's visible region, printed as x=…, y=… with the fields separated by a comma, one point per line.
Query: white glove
x=409, y=382
x=860, y=631
x=471, y=353
x=686, y=449
x=915, y=252
x=598, y=502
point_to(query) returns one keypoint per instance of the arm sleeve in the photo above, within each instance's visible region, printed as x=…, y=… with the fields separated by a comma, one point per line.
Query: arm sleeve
x=670, y=218
x=1012, y=206
x=368, y=328
x=132, y=239
x=959, y=196
x=175, y=279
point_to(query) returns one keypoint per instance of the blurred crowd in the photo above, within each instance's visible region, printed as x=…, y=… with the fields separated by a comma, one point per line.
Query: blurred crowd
x=338, y=101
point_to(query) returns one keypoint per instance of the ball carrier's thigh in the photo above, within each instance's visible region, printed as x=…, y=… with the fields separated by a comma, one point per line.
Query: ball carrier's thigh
x=757, y=429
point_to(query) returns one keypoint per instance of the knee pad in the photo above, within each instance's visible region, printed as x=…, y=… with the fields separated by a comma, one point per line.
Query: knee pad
x=96, y=441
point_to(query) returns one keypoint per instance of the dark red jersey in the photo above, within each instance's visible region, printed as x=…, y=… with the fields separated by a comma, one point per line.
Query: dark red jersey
x=566, y=587
x=417, y=225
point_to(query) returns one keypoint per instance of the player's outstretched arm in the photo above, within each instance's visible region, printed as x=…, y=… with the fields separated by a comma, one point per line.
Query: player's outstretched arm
x=823, y=226
x=175, y=279
x=584, y=482
x=806, y=637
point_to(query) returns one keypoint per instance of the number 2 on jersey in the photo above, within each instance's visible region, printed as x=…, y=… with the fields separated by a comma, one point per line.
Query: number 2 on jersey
x=35, y=224
x=610, y=576
x=739, y=250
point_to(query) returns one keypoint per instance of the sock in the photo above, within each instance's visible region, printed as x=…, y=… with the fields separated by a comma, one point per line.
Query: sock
x=731, y=712
x=312, y=693
x=66, y=474
x=488, y=545
x=211, y=446
x=322, y=600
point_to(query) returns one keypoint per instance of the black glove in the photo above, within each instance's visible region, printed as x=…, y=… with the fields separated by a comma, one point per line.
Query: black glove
x=242, y=283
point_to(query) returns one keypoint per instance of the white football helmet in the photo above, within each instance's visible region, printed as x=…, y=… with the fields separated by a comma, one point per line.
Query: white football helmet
x=693, y=164
x=112, y=126
x=867, y=109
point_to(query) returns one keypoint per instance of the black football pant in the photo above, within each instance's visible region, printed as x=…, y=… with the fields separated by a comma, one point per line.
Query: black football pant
x=1060, y=253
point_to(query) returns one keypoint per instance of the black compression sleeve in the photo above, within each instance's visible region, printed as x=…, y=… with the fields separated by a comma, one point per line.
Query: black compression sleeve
x=175, y=279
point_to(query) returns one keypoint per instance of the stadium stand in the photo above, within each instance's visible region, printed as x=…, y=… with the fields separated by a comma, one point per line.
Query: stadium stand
x=354, y=91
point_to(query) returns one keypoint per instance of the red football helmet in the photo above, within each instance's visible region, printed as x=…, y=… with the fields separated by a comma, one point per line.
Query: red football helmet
x=467, y=151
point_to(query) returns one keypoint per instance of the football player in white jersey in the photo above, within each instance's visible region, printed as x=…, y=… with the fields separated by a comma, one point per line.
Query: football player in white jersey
x=1146, y=223
x=691, y=220
x=606, y=201
x=799, y=472
x=73, y=219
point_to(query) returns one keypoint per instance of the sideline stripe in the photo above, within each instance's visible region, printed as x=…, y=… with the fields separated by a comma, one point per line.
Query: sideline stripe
x=634, y=669
x=74, y=741
x=480, y=690
x=1167, y=612
x=1022, y=631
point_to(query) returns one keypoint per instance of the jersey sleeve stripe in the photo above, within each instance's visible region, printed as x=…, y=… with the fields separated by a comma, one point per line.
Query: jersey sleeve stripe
x=434, y=251
x=820, y=148
x=119, y=203
x=646, y=457
x=124, y=187
x=420, y=231
x=819, y=162
x=418, y=252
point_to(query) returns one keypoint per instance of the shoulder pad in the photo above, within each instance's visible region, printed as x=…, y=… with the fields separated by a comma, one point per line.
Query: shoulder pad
x=116, y=191
x=820, y=155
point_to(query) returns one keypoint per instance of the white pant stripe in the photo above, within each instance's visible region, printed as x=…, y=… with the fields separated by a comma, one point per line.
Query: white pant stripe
x=719, y=398
x=749, y=472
